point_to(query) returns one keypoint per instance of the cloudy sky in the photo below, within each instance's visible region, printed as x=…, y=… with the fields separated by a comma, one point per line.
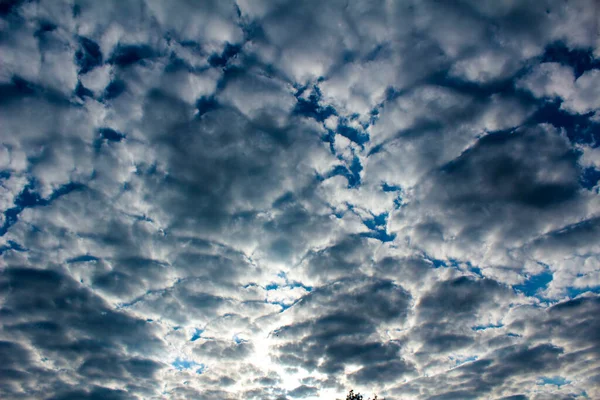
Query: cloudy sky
x=282, y=199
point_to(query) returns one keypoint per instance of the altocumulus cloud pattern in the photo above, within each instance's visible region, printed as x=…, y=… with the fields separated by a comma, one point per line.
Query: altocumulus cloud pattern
x=281, y=199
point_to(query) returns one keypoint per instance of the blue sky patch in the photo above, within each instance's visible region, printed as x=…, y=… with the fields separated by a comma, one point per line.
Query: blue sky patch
x=534, y=283
x=82, y=258
x=88, y=56
x=181, y=364
x=576, y=291
x=29, y=198
x=126, y=55
x=485, y=327
x=353, y=134
x=229, y=52
x=589, y=177
x=197, y=334
x=581, y=60
x=311, y=107
x=555, y=380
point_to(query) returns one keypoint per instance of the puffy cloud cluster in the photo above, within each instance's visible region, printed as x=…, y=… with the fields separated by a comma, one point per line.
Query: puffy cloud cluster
x=284, y=200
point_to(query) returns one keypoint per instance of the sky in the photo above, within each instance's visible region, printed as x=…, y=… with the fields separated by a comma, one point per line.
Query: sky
x=280, y=199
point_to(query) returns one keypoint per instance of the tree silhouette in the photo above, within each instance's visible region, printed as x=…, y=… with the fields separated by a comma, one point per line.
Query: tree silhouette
x=354, y=396
x=357, y=396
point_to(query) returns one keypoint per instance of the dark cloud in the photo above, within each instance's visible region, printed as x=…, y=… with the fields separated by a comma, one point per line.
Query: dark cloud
x=303, y=391
x=93, y=394
x=330, y=340
x=71, y=328
x=512, y=172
